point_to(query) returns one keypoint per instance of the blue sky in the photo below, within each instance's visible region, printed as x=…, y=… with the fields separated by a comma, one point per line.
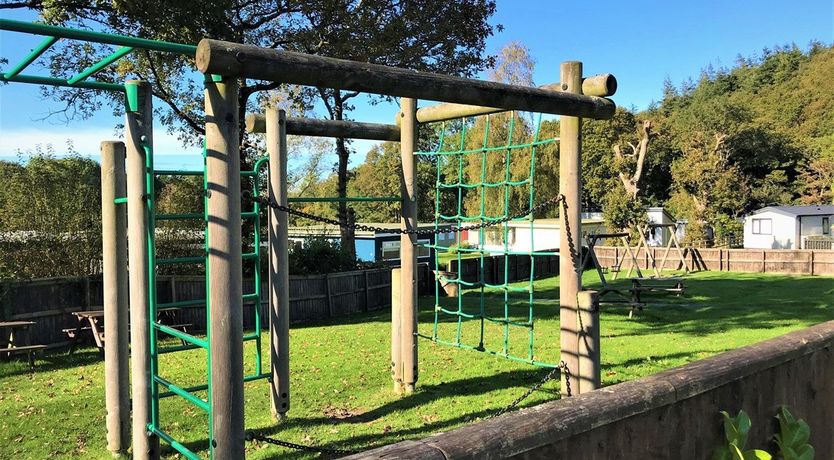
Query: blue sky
x=642, y=43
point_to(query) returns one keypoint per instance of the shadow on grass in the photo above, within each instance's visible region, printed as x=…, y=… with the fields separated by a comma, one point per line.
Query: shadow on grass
x=50, y=361
x=426, y=394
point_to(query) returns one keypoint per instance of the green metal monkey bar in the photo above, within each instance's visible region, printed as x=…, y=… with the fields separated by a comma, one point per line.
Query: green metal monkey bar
x=81, y=80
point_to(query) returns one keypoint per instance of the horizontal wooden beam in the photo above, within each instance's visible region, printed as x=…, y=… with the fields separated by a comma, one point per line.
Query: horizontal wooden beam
x=234, y=59
x=597, y=85
x=256, y=123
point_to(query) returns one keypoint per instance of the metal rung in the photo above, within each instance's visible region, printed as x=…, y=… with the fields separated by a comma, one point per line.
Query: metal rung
x=203, y=387
x=176, y=348
x=175, y=172
x=250, y=336
x=182, y=303
x=34, y=54
x=178, y=446
x=182, y=392
x=115, y=56
x=253, y=296
x=120, y=200
x=248, y=215
x=182, y=260
x=181, y=335
x=183, y=216
x=249, y=255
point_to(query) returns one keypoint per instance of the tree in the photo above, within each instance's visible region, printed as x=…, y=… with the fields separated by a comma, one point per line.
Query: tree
x=638, y=156
x=446, y=37
x=50, y=224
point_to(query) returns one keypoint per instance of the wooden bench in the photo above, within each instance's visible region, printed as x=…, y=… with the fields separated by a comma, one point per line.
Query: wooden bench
x=93, y=325
x=673, y=285
x=13, y=347
x=28, y=349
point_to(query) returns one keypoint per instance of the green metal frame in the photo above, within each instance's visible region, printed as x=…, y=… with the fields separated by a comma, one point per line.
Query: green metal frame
x=193, y=342
x=455, y=158
x=54, y=33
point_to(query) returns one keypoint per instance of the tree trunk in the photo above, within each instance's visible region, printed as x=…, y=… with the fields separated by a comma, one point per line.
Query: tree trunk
x=348, y=240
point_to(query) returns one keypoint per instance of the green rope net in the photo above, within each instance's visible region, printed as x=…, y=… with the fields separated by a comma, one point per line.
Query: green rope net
x=486, y=171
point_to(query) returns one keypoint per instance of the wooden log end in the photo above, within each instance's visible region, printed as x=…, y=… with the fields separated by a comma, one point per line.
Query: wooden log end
x=255, y=123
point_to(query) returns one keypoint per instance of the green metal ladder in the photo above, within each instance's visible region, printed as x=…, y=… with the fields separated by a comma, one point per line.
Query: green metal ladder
x=158, y=383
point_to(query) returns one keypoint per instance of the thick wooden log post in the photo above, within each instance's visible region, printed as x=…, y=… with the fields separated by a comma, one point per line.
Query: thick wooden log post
x=226, y=58
x=115, y=290
x=396, y=337
x=225, y=269
x=570, y=226
x=256, y=123
x=588, y=376
x=279, y=272
x=408, y=253
x=598, y=85
x=138, y=135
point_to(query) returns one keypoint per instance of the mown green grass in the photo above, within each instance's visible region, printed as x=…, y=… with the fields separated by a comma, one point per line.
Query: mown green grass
x=342, y=391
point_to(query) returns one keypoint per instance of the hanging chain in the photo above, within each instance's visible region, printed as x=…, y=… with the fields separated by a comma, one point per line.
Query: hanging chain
x=563, y=367
x=252, y=436
x=434, y=231
x=575, y=256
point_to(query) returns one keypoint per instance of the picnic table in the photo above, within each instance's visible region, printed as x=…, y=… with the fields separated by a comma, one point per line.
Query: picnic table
x=672, y=284
x=93, y=321
x=18, y=340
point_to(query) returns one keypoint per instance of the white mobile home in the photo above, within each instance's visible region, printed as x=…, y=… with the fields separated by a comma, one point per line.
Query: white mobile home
x=521, y=237
x=786, y=227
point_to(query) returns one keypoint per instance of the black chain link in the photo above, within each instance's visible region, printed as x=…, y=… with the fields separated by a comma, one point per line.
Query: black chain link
x=563, y=367
x=434, y=231
x=252, y=436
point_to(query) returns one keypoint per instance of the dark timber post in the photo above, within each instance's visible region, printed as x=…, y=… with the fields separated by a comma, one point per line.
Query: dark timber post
x=408, y=256
x=588, y=375
x=138, y=136
x=279, y=284
x=114, y=278
x=225, y=269
x=570, y=232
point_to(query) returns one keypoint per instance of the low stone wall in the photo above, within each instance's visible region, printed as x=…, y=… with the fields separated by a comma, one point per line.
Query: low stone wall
x=670, y=415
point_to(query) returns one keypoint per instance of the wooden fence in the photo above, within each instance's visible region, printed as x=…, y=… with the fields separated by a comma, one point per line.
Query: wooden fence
x=673, y=414
x=789, y=261
x=517, y=268
x=50, y=302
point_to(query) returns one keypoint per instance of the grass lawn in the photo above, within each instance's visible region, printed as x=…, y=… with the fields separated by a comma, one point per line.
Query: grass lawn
x=341, y=387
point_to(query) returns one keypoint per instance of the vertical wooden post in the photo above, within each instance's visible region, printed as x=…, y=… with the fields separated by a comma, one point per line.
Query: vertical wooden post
x=408, y=254
x=588, y=376
x=138, y=134
x=811, y=263
x=225, y=273
x=396, y=325
x=279, y=269
x=328, y=295
x=115, y=290
x=570, y=231
x=367, y=299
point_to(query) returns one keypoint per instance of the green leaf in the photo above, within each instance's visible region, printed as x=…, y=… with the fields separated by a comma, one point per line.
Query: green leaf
x=788, y=453
x=785, y=414
x=806, y=452
x=803, y=433
x=722, y=453
x=736, y=453
x=730, y=430
x=744, y=425
x=757, y=454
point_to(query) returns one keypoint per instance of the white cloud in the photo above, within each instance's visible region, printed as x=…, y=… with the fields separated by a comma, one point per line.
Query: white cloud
x=85, y=141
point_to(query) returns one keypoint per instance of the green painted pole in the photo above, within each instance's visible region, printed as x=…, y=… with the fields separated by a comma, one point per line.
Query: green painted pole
x=51, y=81
x=30, y=58
x=96, y=37
x=118, y=54
x=139, y=134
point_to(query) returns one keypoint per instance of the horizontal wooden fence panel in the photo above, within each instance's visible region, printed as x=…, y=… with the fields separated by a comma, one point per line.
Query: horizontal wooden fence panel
x=787, y=261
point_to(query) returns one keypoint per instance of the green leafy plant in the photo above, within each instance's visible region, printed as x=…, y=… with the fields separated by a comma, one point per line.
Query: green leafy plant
x=793, y=436
x=736, y=430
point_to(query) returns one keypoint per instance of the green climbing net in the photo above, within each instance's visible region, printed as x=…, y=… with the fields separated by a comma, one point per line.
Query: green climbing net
x=485, y=172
